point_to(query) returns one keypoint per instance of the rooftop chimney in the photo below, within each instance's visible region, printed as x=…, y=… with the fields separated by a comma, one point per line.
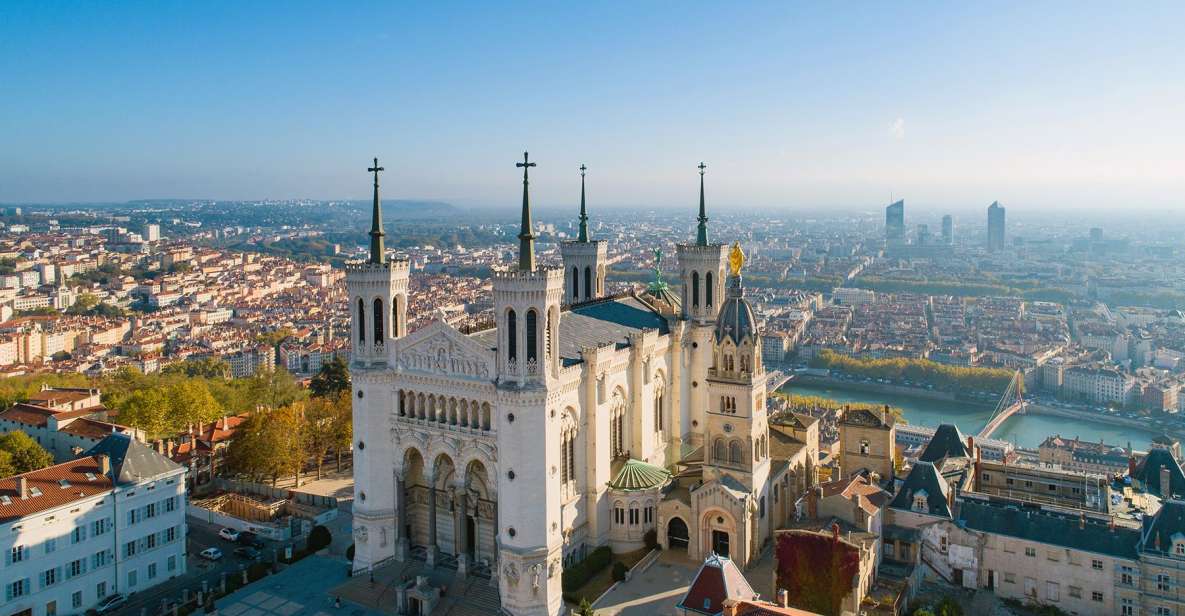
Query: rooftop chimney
x=104, y=464
x=22, y=486
x=1131, y=466
x=1166, y=482
x=835, y=531
x=783, y=597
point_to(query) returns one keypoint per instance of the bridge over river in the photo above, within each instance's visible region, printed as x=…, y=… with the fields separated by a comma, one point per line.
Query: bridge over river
x=1011, y=403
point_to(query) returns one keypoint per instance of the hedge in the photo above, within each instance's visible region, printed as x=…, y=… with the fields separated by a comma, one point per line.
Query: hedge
x=575, y=576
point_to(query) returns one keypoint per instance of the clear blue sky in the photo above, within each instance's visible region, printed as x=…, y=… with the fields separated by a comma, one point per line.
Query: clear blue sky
x=946, y=104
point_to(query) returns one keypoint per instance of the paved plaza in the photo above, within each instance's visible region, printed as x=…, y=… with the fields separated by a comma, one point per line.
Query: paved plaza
x=300, y=590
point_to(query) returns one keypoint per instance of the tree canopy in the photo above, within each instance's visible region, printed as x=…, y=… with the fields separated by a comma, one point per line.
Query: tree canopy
x=333, y=379
x=25, y=454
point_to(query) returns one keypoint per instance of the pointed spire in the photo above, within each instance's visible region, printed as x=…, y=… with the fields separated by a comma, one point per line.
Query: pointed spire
x=583, y=214
x=526, y=236
x=377, y=250
x=701, y=235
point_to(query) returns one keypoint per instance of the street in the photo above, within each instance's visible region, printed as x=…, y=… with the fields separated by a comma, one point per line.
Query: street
x=198, y=570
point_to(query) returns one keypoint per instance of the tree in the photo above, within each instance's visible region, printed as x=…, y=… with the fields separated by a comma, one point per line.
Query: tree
x=268, y=444
x=343, y=423
x=274, y=389
x=83, y=304
x=585, y=608
x=320, y=430
x=7, y=466
x=26, y=454
x=147, y=410
x=332, y=379
x=190, y=402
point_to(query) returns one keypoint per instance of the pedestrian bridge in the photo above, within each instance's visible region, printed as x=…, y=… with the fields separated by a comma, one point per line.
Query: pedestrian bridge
x=1011, y=403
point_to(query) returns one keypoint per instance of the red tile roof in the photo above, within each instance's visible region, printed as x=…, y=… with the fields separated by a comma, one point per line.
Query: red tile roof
x=53, y=492
x=718, y=579
x=28, y=414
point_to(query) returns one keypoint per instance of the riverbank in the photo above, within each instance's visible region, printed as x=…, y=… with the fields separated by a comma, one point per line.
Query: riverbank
x=1138, y=424
x=879, y=388
x=929, y=408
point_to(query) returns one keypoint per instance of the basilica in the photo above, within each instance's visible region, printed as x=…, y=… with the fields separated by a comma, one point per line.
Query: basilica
x=577, y=420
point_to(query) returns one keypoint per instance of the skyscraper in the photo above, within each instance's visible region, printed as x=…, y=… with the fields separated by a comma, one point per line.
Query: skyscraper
x=948, y=230
x=995, y=227
x=895, y=222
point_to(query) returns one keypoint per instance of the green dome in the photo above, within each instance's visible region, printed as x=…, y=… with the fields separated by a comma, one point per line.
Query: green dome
x=638, y=475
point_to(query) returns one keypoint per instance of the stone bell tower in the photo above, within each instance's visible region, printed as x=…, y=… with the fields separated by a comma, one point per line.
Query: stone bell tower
x=530, y=544
x=585, y=260
x=377, y=291
x=702, y=267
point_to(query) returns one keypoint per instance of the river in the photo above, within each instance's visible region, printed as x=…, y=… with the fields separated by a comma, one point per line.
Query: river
x=1022, y=430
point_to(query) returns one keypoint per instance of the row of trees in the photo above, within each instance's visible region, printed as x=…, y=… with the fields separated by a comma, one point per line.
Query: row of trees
x=939, y=375
x=279, y=438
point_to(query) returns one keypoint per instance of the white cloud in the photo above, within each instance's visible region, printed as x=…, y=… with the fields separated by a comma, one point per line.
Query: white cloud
x=897, y=128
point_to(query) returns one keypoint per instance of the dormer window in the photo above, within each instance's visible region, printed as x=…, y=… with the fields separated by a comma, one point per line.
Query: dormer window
x=1178, y=544
x=920, y=502
x=865, y=447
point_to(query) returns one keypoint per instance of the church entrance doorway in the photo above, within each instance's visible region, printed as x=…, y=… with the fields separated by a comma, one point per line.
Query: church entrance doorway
x=677, y=535
x=720, y=543
x=470, y=537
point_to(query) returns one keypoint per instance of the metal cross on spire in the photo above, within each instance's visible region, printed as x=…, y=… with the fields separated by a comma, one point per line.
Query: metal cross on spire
x=377, y=250
x=701, y=235
x=526, y=236
x=583, y=237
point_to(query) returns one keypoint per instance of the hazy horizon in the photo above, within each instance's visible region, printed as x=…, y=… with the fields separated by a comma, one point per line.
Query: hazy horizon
x=1059, y=107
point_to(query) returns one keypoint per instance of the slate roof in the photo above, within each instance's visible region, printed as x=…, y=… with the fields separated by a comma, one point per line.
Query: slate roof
x=718, y=579
x=597, y=323
x=638, y=475
x=924, y=476
x=1158, y=531
x=1030, y=522
x=131, y=460
x=947, y=442
x=736, y=320
x=1148, y=473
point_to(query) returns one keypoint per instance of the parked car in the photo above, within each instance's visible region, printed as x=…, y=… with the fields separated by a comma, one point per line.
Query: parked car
x=110, y=603
x=247, y=553
x=249, y=538
x=211, y=554
x=229, y=534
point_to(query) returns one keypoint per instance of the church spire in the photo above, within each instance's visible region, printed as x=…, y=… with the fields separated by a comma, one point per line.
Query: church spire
x=377, y=250
x=583, y=214
x=701, y=235
x=526, y=236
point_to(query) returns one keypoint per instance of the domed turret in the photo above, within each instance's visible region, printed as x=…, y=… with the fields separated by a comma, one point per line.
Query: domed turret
x=736, y=320
x=738, y=349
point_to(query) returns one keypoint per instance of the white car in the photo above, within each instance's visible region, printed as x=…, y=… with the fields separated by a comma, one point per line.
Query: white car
x=211, y=554
x=229, y=534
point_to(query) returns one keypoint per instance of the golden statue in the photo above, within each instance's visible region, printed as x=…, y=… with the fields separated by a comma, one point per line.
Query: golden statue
x=736, y=259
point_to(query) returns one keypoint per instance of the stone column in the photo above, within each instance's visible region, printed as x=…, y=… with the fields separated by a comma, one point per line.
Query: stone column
x=401, y=541
x=432, y=551
x=462, y=534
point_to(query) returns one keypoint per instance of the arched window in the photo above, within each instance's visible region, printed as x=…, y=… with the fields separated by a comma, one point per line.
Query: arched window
x=695, y=289
x=708, y=285
x=618, y=513
x=378, y=321
x=587, y=282
x=548, y=337
x=575, y=283
x=633, y=514
x=532, y=335
x=511, y=335
x=734, y=452
x=718, y=452
x=395, y=317
x=361, y=321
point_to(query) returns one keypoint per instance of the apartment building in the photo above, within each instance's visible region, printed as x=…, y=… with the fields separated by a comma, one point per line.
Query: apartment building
x=111, y=521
